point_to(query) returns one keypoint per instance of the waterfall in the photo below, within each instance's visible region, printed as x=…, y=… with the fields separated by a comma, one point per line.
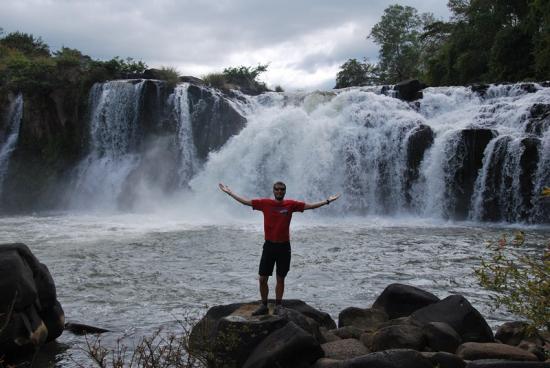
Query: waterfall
x=13, y=123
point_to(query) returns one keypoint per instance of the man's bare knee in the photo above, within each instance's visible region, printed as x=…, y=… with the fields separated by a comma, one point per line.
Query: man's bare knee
x=263, y=279
x=280, y=279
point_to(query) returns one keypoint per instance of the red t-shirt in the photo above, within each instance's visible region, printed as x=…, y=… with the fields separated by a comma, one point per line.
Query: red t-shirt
x=277, y=216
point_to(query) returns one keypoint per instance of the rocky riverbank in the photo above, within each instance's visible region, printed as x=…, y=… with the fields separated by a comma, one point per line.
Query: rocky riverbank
x=404, y=327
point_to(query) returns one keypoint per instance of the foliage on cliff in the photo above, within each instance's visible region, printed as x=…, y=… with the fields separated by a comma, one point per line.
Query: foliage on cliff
x=27, y=65
x=484, y=41
x=242, y=77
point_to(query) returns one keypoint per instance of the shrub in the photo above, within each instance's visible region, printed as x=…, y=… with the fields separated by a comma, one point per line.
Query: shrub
x=521, y=280
x=169, y=74
x=26, y=44
x=216, y=80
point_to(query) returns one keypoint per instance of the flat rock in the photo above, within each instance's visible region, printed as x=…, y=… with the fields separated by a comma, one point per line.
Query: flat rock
x=365, y=319
x=499, y=363
x=444, y=360
x=395, y=358
x=475, y=351
x=348, y=332
x=398, y=337
x=344, y=349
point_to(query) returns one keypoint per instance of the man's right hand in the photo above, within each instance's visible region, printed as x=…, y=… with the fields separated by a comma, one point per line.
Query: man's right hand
x=224, y=188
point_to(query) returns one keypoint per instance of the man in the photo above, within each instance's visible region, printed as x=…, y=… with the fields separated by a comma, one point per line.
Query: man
x=277, y=215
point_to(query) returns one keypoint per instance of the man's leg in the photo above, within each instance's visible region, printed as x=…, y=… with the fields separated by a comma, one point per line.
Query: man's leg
x=264, y=288
x=279, y=289
x=266, y=268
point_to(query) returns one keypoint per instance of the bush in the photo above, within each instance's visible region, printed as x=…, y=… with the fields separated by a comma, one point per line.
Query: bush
x=521, y=280
x=26, y=44
x=216, y=80
x=169, y=74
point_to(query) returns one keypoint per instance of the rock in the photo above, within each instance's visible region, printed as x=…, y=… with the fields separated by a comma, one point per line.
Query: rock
x=364, y=319
x=306, y=323
x=289, y=346
x=399, y=300
x=327, y=363
x=528, y=87
x=348, y=332
x=533, y=348
x=441, y=337
x=420, y=139
x=27, y=290
x=82, y=329
x=476, y=350
x=213, y=120
x=480, y=89
x=458, y=313
x=539, y=119
x=444, y=360
x=511, y=333
x=344, y=349
x=328, y=336
x=409, y=321
x=395, y=358
x=191, y=79
x=322, y=318
x=152, y=74
x=498, y=363
x=398, y=337
x=409, y=90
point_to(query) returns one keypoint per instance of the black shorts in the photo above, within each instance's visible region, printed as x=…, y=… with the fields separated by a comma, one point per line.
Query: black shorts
x=275, y=253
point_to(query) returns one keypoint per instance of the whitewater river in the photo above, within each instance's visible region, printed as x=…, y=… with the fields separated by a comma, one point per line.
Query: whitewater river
x=133, y=274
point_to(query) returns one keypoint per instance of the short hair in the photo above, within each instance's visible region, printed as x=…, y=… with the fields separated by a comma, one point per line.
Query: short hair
x=279, y=183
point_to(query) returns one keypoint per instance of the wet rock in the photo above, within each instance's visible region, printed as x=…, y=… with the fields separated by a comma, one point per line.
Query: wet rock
x=398, y=337
x=82, y=329
x=327, y=363
x=322, y=318
x=475, y=351
x=511, y=333
x=191, y=79
x=409, y=321
x=480, y=89
x=395, y=358
x=25, y=284
x=289, y=346
x=328, y=336
x=364, y=319
x=399, y=300
x=458, y=313
x=441, y=337
x=539, y=119
x=499, y=363
x=344, y=349
x=409, y=90
x=420, y=139
x=306, y=323
x=444, y=360
x=528, y=87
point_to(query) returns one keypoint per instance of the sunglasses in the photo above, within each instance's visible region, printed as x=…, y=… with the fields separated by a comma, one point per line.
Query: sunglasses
x=279, y=189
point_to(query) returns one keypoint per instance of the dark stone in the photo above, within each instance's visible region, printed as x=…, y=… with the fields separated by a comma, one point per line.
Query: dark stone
x=329, y=336
x=304, y=322
x=152, y=74
x=458, y=313
x=441, y=337
x=192, y=80
x=395, y=358
x=529, y=161
x=480, y=89
x=511, y=333
x=539, y=119
x=399, y=300
x=213, y=120
x=492, y=350
x=348, y=332
x=409, y=90
x=498, y=363
x=420, y=139
x=82, y=329
x=468, y=158
x=363, y=319
x=444, y=360
x=25, y=283
x=398, y=337
x=322, y=318
x=289, y=346
x=528, y=87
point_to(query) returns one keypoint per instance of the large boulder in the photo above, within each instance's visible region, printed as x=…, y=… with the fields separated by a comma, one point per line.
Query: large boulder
x=499, y=363
x=289, y=346
x=398, y=337
x=457, y=312
x=441, y=337
x=30, y=313
x=420, y=139
x=512, y=333
x=409, y=90
x=344, y=349
x=398, y=300
x=444, y=360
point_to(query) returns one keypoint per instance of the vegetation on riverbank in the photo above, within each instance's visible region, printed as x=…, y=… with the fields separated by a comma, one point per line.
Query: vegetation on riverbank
x=483, y=42
x=243, y=77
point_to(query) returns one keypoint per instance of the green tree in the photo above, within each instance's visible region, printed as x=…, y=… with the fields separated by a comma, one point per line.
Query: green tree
x=398, y=34
x=26, y=44
x=356, y=73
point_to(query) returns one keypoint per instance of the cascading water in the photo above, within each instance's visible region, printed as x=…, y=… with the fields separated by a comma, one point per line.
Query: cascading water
x=15, y=113
x=114, y=134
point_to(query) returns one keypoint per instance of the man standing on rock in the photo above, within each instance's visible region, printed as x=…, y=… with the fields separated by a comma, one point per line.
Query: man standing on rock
x=277, y=215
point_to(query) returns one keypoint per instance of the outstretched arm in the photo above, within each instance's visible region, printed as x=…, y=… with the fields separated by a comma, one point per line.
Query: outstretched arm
x=332, y=198
x=225, y=189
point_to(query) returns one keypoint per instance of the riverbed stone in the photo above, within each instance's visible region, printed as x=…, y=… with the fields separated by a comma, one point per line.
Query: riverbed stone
x=322, y=318
x=409, y=90
x=476, y=350
x=348, y=332
x=511, y=333
x=456, y=311
x=28, y=298
x=367, y=319
x=444, y=360
x=344, y=349
x=399, y=300
x=398, y=337
x=327, y=363
x=394, y=358
x=441, y=337
x=289, y=346
x=329, y=336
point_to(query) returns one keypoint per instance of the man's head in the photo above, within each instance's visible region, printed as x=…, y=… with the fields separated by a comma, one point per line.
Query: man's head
x=279, y=190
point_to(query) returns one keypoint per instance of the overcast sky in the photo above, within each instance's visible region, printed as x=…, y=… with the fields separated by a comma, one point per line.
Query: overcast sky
x=304, y=42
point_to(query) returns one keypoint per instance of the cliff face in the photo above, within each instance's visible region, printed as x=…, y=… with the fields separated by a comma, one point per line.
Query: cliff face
x=57, y=133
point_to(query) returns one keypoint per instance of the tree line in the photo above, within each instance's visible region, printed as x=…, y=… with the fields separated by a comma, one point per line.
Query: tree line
x=484, y=41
